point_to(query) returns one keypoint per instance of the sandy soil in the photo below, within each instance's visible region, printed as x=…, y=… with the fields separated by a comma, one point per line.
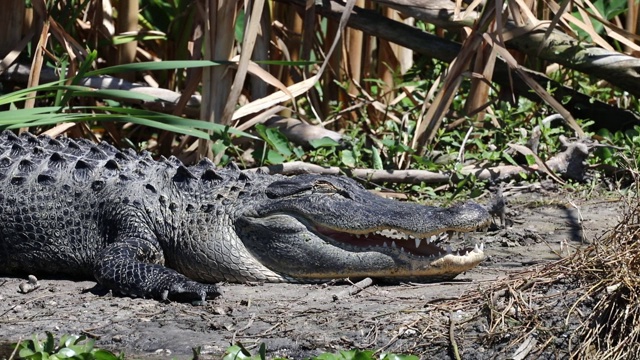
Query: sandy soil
x=304, y=320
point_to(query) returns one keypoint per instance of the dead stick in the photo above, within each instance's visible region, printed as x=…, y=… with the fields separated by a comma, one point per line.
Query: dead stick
x=353, y=289
x=452, y=338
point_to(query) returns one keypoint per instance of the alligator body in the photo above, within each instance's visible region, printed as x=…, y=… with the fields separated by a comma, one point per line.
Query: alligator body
x=151, y=228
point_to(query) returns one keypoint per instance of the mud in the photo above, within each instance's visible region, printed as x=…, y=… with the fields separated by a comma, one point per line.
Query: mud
x=304, y=320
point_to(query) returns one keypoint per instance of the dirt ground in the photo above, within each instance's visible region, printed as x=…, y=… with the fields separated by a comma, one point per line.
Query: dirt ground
x=304, y=320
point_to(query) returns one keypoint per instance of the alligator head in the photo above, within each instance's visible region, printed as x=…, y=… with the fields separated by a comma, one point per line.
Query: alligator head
x=315, y=228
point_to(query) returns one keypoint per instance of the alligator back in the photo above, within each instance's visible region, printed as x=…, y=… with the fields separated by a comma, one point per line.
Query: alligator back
x=49, y=205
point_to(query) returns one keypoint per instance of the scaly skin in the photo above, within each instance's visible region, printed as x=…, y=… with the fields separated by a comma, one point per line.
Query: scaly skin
x=160, y=229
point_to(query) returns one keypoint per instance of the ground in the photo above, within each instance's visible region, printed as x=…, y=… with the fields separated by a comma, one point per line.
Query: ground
x=304, y=320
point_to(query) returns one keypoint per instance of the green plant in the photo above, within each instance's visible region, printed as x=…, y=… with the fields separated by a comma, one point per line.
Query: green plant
x=238, y=351
x=68, y=347
x=56, y=106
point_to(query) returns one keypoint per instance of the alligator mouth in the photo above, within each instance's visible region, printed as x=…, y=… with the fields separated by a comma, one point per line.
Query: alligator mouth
x=420, y=245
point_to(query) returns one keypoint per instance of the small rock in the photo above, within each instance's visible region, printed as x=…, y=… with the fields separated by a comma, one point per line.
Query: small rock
x=407, y=332
x=218, y=310
x=29, y=286
x=210, y=349
x=162, y=352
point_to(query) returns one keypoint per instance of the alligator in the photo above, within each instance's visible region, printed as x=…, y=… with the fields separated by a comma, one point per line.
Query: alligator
x=159, y=229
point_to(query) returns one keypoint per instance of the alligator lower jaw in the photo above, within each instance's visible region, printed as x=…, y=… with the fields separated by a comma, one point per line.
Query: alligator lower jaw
x=416, y=246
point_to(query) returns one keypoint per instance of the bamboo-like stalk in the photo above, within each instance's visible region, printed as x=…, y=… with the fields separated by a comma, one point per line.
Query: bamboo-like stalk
x=12, y=14
x=387, y=61
x=253, y=14
x=632, y=20
x=220, y=18
x=334, y=73
x=127, y=22
x=355, y=55
x=261, y=52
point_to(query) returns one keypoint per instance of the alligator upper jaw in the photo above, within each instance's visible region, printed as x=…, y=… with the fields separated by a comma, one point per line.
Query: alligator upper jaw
x=393, y=240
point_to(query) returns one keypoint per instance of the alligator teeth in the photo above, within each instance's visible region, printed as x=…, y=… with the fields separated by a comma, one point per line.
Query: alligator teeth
x=393, y=244
x=476, y=248
x=418, y=241
x=401, y=249
x=384, y=244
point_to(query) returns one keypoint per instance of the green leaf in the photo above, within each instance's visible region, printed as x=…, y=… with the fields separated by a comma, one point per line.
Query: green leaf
x=218, y=147
x=356, y=355
x=274, y=157
x=279, y=142
x=66, y=352
x=262, y=351
x=377, y=160
x=50, y=343
x=531, y=160
x=298, y=152
x=155, y=65
x=347, y=159
x=100, y=354
x=138, y=36
x=237, y=352
x=323, y=142
x=276, y=141
x=328, y=356
x=37, y=346
x=115, y=93
x=239, y=28
x=509, y=159
x=26, y=353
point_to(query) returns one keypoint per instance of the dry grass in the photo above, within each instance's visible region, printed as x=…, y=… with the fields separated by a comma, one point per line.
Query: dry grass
x=611, y=271
x=585, y=306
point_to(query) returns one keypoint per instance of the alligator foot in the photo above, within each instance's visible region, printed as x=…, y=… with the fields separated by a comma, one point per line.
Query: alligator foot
x=134, y=267
x=191, y=289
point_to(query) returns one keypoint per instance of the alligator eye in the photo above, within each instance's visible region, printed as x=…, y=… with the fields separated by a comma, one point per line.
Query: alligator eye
x=322, y=186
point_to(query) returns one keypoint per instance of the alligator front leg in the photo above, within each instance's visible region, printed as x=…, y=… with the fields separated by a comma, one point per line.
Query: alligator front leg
x=134, y=267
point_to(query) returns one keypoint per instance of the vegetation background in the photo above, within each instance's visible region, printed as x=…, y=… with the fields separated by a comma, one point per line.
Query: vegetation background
x=381, y=85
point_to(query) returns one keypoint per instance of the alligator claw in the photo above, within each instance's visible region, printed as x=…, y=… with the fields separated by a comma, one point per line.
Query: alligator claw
x=193, y=290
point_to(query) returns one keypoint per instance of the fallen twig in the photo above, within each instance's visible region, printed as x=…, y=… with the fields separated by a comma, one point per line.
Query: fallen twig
x=15, y=349
x=452, y=338
x=353, y=289
x=524, y=349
